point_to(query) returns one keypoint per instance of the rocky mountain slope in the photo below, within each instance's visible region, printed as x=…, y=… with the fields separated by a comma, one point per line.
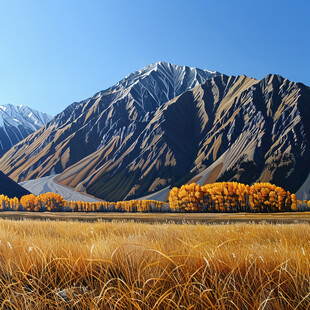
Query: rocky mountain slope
x=83, y=128
x=17, y=122
x=166, y=125
x=11, y=189
x=248, y=130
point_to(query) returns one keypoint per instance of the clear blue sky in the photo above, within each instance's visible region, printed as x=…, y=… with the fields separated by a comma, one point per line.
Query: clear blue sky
x=55, y=52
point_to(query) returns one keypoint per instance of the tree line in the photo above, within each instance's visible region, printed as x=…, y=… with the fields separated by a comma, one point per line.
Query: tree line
x=232, y=197
x=216, y=197
x=56, y=203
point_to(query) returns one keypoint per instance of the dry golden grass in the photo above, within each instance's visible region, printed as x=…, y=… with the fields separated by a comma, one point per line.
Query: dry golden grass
x=73, y=265
x=163, y=217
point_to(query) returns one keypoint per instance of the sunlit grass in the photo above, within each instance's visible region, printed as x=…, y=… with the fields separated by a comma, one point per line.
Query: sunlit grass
x=73, y=265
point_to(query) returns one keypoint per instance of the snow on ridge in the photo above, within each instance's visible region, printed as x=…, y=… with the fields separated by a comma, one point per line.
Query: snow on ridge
x=156, y=84
x=17, y=122
x=23, y=115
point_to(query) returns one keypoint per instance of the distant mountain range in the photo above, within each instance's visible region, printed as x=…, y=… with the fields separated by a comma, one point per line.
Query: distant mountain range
x=167, y=125
x=17, y=122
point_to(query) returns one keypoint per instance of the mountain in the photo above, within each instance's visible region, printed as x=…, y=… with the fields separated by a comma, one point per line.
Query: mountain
x=166, y=125
x=227, y=129
x=112, y=117
x=17, y=122
x=11, y=189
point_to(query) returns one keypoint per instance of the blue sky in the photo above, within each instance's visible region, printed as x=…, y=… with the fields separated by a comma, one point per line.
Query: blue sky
x=55, y=52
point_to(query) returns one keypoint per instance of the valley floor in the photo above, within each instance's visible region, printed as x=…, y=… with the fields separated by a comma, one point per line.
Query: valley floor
x=128, y=265
x=177, y=218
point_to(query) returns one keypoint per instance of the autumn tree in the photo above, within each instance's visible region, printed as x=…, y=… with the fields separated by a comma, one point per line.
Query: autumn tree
x=29, y=202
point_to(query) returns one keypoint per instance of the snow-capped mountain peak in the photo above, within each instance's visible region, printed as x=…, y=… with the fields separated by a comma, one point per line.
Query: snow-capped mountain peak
x=17, y=122
x=157, y=83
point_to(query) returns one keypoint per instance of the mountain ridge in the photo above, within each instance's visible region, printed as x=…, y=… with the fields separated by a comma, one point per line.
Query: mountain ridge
x=88, y=118
x=130, y=141
x=17, y=122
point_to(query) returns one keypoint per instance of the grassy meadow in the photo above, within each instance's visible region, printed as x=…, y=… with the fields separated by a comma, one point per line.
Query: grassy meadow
x=127, y=265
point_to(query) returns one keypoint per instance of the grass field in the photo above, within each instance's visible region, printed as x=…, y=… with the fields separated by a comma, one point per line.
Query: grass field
x=127, y=265
x=178, y=218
